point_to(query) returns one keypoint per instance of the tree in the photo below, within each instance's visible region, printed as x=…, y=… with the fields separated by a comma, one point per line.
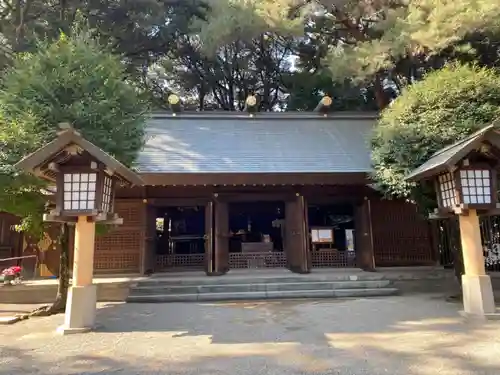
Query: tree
x=311, y=79
x=399, y=41
x=238, y=48
x=70, y=80
x=444, y=107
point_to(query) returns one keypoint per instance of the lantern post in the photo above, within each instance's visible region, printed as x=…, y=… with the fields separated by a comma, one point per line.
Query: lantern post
x=86, y=179
x=464, y=176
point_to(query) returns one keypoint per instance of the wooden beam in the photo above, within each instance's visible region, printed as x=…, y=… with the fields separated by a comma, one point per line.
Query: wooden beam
x=258, y=179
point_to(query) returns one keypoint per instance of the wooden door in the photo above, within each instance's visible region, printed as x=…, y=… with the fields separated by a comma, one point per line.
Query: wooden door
x=363, y=244
x=221, y=237
x=296, y=238
x=210, y=260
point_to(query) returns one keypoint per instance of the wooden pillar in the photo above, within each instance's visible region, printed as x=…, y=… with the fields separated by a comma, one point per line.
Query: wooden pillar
x=82, y=296
x=221, y=218
x=363, y=246
x=210, y=267
x=476, y=285
x=149, y=246
x=297, y=236
x=83, y=261
x=472, y=247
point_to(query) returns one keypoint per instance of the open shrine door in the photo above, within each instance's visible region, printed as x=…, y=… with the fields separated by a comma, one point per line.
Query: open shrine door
x=297, y=246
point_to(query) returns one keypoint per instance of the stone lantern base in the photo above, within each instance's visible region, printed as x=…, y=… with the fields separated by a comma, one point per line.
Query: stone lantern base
x=80, y=310
x=478, y=297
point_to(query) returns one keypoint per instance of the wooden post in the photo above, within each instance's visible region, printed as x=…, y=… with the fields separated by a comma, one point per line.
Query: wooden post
x=210, y=266
x=363, y=242
x=476, y=285
x=82, y=296
x=148, y=248
x=297, y=237
x=221, y=216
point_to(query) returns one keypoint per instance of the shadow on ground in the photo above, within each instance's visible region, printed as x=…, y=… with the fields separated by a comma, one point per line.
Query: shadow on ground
x=399, y=335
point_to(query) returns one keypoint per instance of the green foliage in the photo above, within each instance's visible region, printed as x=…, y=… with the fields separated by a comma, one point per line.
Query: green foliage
x=306, y=90
x=410, y=30
x=244, y=20
x=446, y=106
x=70, y=80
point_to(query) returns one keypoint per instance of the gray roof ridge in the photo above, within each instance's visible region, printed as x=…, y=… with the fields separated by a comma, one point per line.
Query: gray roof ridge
x=241, y=115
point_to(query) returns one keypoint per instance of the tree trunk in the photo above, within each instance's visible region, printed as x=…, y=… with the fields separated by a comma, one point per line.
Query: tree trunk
x=59, y=305
x=380, y=95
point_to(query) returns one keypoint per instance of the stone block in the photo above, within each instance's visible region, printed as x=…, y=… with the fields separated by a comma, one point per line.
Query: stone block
x=478, y=295
x=80, y=310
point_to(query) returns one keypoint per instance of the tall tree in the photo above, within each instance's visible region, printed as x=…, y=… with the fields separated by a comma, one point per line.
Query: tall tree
x=140, y=30
x=69, y=80
x=398, y=41
x=238, y=48
x=311, y=79
x=445, y=106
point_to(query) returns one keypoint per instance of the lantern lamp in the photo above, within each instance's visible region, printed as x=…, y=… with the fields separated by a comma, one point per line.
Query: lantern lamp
x=465, y=177
x=465, y=174
x=89, y=190
x=471, y=186
x=84, y=175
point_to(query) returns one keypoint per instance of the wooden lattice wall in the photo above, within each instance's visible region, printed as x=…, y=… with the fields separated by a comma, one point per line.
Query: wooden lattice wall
x=401, y=237
x=120, y=249
x=117, y=251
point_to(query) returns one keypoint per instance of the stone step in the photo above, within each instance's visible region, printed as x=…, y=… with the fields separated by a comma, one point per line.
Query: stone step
x=230, y=279
x=261, y=295
x=257, y=287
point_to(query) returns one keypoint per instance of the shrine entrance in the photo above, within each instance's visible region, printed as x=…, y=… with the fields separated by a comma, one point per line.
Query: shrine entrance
x=180, y=237
x=256, y=235
x=332, y=229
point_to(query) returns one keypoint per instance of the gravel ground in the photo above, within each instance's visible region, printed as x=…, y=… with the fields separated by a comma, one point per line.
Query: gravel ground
x=410, y=335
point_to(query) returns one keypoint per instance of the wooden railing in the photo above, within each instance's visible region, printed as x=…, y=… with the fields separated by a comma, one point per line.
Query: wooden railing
x=196, y=261
x=276, y=259
x=257, y=260
x=332, y=258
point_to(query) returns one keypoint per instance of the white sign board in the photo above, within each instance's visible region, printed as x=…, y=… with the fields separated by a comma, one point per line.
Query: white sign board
x=322, y=235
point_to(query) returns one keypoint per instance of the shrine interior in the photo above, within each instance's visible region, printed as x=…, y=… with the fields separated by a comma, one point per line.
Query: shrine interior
x=256, y=227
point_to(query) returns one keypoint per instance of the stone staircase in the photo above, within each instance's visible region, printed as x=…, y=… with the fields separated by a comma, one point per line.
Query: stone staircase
x=228, y=288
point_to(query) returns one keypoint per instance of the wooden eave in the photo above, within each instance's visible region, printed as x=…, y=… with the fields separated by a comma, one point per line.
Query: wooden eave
x=254, y=179
x=448, y=157
x=44, y=155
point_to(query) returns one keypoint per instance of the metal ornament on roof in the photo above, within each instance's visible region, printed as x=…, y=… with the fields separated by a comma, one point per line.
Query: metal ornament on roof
x=251, y=104
x=324, y=105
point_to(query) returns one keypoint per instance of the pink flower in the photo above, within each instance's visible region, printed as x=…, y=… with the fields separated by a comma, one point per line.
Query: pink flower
x=11, y=271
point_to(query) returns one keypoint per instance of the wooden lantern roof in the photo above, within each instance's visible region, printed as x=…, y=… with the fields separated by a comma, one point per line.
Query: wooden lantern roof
x=70, y=146
x=485, y=140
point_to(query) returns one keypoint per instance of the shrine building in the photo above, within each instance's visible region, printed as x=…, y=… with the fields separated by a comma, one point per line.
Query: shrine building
x=234, y=190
